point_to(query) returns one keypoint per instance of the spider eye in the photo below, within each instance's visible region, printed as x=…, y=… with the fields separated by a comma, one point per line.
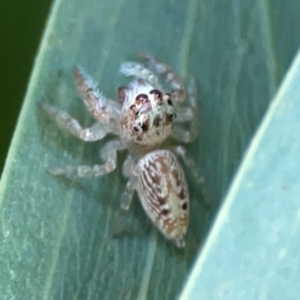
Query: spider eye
x=141, y=98
x=156, y=121
x=132, y=107
x=157, y=94
x=165, y=211
x=184, y=206
x=170, y=118
x=169, y=100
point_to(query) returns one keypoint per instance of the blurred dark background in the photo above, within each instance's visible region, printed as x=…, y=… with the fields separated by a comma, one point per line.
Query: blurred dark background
x=21, y=28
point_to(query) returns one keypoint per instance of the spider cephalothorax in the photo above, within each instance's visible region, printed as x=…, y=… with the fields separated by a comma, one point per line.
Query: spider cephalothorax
x=147, y=115
x=142, y=120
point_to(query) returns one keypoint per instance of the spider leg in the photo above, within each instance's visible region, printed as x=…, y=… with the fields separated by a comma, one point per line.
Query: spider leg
x=127, y=195
x=189, y=113
x=109, y=156
x=184, y=114
x=189, y=162
x=166, y=72
x=193, y=169
x=138, y=70
x=182, y=135
x=98, y=105
x=64, y=120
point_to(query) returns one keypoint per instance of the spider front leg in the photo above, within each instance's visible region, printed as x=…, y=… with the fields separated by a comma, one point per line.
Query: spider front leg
x=108, y=154
x=98, y=105
x=166, y=72
x=189, y=113
x=64, y=120
x=139, y=71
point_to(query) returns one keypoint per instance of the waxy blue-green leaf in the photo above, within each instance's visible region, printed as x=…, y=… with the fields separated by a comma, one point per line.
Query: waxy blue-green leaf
x=253, y=250
x=57, y=236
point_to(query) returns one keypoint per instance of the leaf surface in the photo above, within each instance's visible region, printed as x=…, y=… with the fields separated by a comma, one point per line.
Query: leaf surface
x=57, y=236
x=253, y=249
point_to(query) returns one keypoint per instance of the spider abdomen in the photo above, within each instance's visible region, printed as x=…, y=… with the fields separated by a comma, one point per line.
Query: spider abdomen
x=163, y=192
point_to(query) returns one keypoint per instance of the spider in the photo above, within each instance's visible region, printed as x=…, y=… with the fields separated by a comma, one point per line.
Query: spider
x=143, y=118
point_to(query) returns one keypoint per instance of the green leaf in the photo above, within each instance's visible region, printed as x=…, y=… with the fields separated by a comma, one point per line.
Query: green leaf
x=57, y=236
x=253, y=249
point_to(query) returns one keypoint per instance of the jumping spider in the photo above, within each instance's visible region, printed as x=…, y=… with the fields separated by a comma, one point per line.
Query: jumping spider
x=142, y=120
